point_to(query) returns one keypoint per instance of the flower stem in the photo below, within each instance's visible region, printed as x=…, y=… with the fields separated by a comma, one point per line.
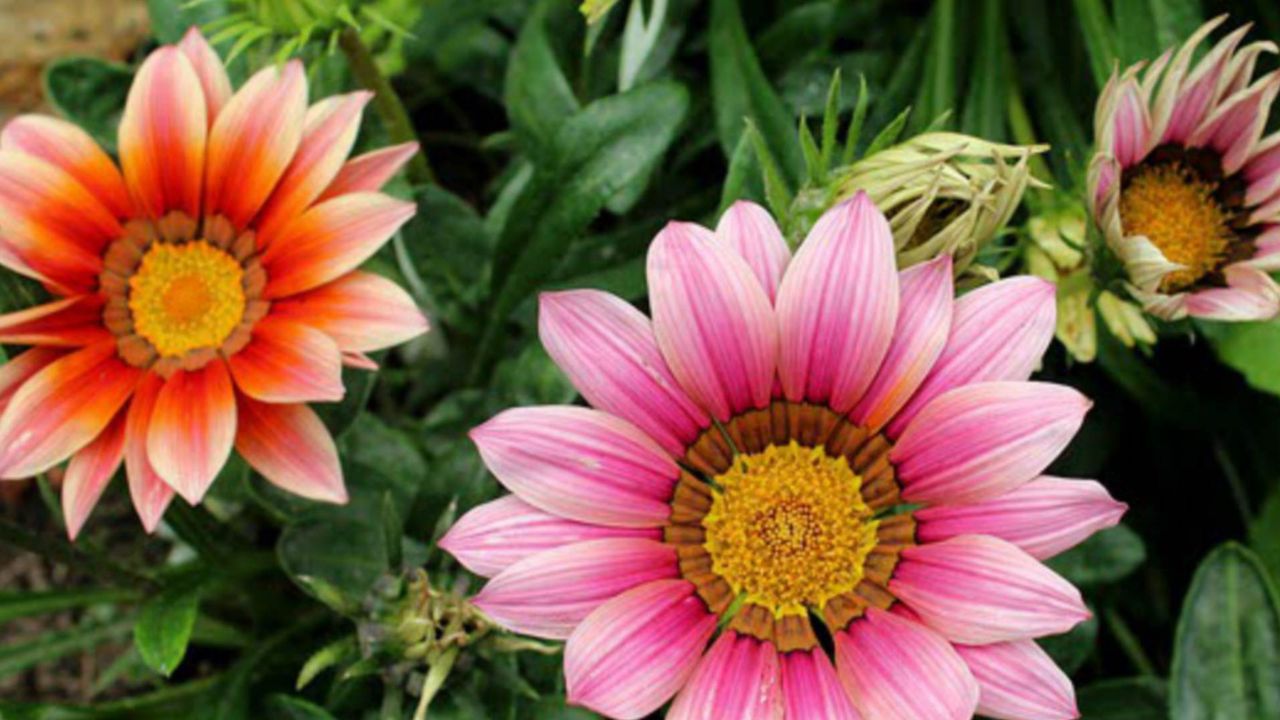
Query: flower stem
x=1129, y=643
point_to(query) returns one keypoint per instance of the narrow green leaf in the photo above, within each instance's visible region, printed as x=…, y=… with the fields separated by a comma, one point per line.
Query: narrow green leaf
x=938, y=91
x=831, y=122
x=291, y=708
x=743, y=181
x=1099, y=38
x=538, y=96
x=50, y=646
x=854, y=134
x=25, y=604
x=812, y=155
x=1264, y=533
x=889, y=135
x=775, y=187
x=164, y=627
x=339, y=651
x=1175, y=20
x=984, y=107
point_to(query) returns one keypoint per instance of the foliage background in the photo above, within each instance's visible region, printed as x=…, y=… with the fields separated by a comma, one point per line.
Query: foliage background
x=547, y=173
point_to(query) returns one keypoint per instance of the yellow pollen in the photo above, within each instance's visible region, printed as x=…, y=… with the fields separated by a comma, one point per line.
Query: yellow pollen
x=1177, y=212
x=788, y=528
x=186, y=297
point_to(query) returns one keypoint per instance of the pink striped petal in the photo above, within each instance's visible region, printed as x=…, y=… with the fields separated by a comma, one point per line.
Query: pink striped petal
x=252, y=141
x=65, y=146
x=1197, y=92
x=924, y=321
x=712, y=321
x=69, y=322
x=1251, y=295
x=751, y=230
x=1018, y=680
x=20, y=368
x=897, y=668
x=977, y=589
x=548, y=594
x=607, y=349
x=151, y=495
x=193, y=426
x=738, y=679
x=1130, y=125
x=1043, y=517
x=361, y=311
x=89, y=472
x=580, y=464
x=981, y=440
x=290, y=446
x=811, y=689
x=635, y=651
x=163, y=135
x=288, y=362
x=209, y=68
x=499, y=533
x=1262, y=172
x=370, y=171
x=998, y=332
x=837, y=306
x=1235, y=127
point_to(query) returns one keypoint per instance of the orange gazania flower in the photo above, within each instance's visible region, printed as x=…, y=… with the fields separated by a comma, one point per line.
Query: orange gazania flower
x=204, y=295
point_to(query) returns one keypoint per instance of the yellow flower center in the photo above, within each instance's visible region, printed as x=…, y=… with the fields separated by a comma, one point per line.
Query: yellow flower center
x=789, y=528
x=186, y=297
x=1178, y=213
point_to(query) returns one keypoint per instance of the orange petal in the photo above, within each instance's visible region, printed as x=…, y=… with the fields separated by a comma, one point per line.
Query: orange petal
x=330, y=240
x=151, y=494
x=66, y=146
x=193, y=427
x=62, y=408
x=363, y=312
x=163, y=133
x=330, y=132
x=89, y=472
x=370, y=171
x=20, y=368
x=70, y=322
x=291, y=448
x=288, y=362
x=253, y=140
x=210, y=70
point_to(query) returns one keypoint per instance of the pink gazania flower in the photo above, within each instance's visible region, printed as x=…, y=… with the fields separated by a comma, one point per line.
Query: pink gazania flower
x=793, y=441
x=203, y=295
x=1184, y=186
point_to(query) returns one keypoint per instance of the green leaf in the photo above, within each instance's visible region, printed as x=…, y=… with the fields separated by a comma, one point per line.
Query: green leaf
x=18, y=292
x=1226, y=654
x=1250, y=348
x=338, y=652
x=830, y=122
x=538, y=97
x=1174, y=20
x=1141, y=698
x=889, y=134
x=1071, y=649
x=1264, y=533
x=985, y=105
x=938, y=92
x=16, y=657
x=814, y=167
x=338, y=417
x=743, y=181
x=90, y=93
x=171, y=18
x=14, y=605
x=291, y=708
x=1105, y=557
x=775, y=186
x=1099, y=38
x=164, y=627
x=741, y=92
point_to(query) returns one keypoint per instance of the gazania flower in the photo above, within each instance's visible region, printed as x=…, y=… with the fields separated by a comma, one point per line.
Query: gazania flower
x=799, y=455
x=1185, y=188
x=204, y=292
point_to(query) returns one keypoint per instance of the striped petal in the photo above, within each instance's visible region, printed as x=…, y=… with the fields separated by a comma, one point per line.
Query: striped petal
x=1018, y=680
x=999, y=332
x=712, y=320
x=1251, y=294
x=751, y=231
x=897, y=668
x=370, y=171
x=209, y=68
x=70, y=322
x=65, y=146
x=977, y=589
x=290, y=446
x=981, y=440
x=548, y=594
x=502, y=532
x=738, y=679
x=924, y=321
x=1234, y=128
x=193, y=426
x=89, y=472
x=1130, y=130
x=1043, y=517
x=580, y=464
x=151, y=495
x=635, y=651
x=837, y=307
x=62, y=408
x=20, y=368
x=607, y=349
x=330, y=240
x=361, y=311
x=163, y=135
x=288, y=362
x=811, y=689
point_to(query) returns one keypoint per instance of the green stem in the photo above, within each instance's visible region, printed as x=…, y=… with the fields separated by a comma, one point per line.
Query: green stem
x=387, y=102
x=58, y=549
x=1129, y=643
x=440, y=670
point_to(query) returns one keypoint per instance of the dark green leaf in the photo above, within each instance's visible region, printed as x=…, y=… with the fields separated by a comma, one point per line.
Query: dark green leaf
x=744, y=180
x=1099, y=38
x=164, y=627
x=938, y=91
x=291, y=708
x=1105, y=557
x=171, y=18
x=985, y=105
x=90, y=93
x=1250, y=348
x=1139, y=698
x=1071, y=649
x=16, y=657
x=538, y=97
x=1264, y=534
x=339, y=416
x=24, y=604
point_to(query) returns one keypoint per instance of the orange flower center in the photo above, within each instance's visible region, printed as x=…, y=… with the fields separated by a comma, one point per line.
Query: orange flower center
x=186, y=297
x=1178, y=213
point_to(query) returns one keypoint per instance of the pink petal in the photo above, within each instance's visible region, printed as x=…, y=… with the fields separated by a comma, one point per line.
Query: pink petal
x=1251, y=295
x=369, y=172
x=65, y=146
x=998, y=332
x=288, y=362
x=292, y=448
x=1197, y=92
x=548, y=594
x=738, y=678
x=635, y=651
x=69, y=322
x=580, y=464
x=607, y=349
x=897, y=668
x=981, y=440
x=499, y=533
x=151, y=495
x=1234, y=128
x=20, y=368
x=811, y=690
x=837, y=306
x=924, y=321
x=1131, y=125
x=361, y=311
x=1262, y=172
x=210, y=70
x=1019, y=680
x=1043, y=517
x=751, y=230
x=193, y=426
x=977, y=589
x=712, y=321
x=88, y=474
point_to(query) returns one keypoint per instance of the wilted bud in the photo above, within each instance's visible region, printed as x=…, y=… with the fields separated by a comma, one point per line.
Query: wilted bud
x=944, y=193
x=1125, y=320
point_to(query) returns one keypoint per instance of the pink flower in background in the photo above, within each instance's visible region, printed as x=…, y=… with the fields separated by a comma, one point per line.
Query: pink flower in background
x=205, y=290
x=1185, y=187
x=792, y=441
